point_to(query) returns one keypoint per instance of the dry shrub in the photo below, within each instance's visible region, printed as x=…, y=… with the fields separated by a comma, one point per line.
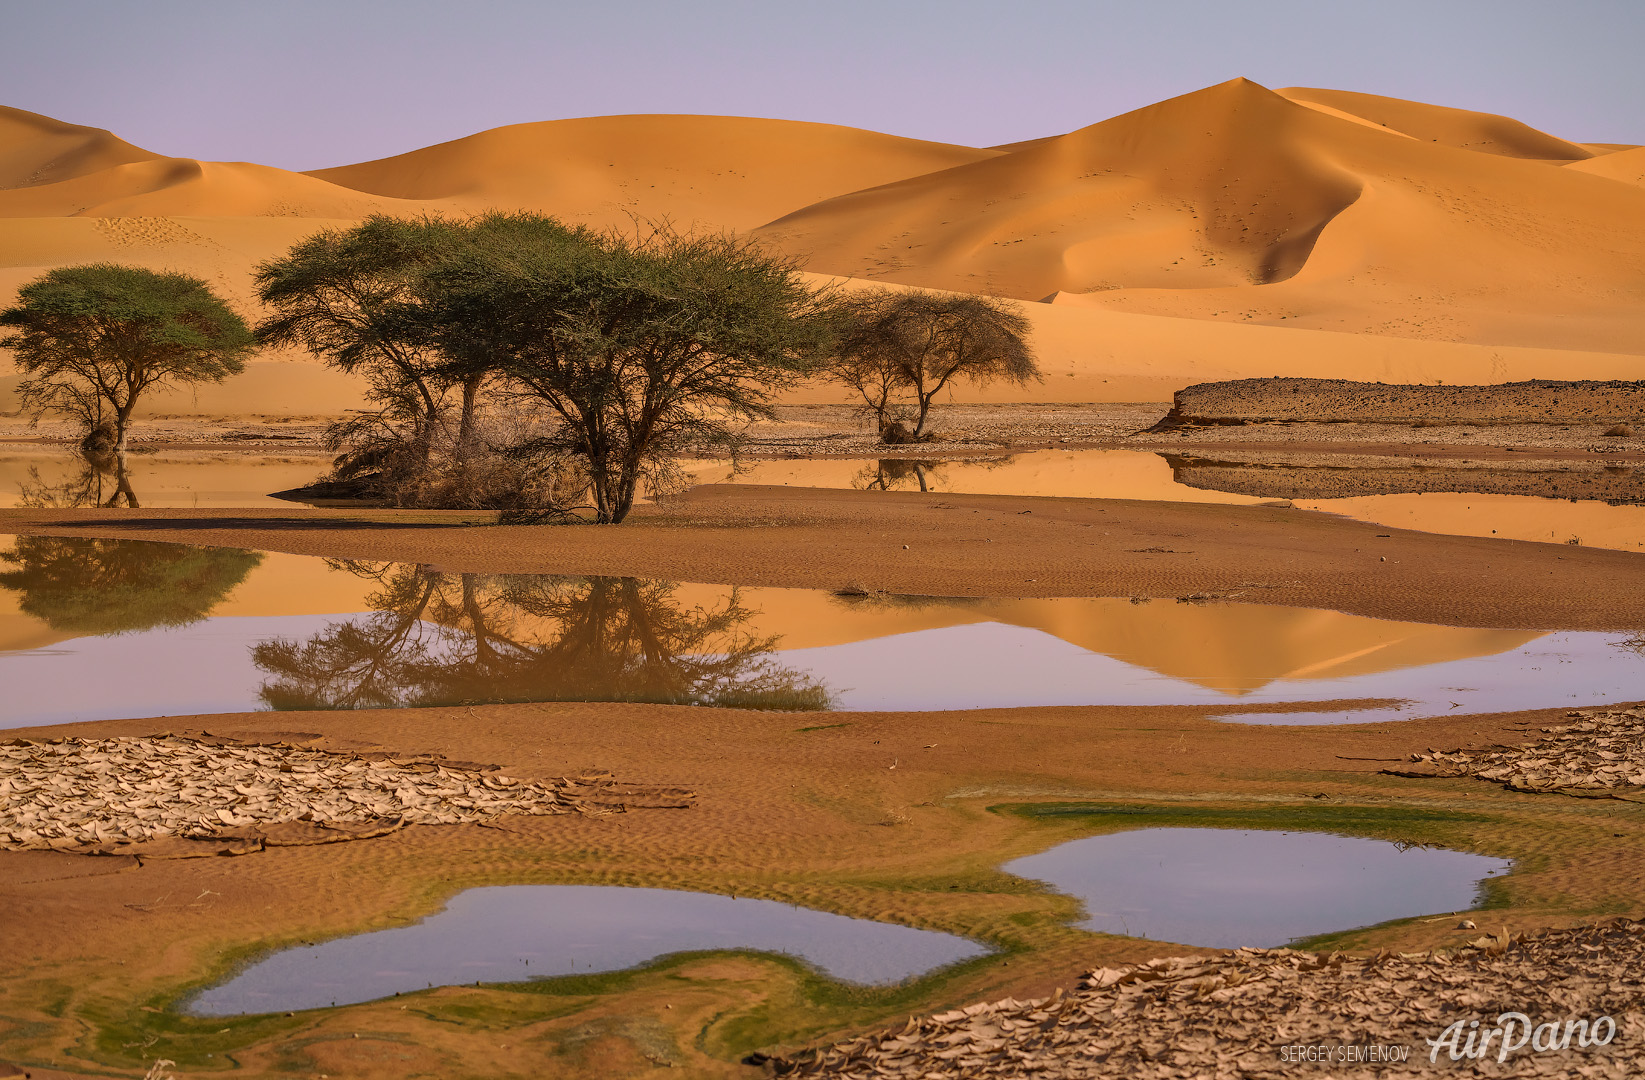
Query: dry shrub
x=1620, y=431
x=507, y=462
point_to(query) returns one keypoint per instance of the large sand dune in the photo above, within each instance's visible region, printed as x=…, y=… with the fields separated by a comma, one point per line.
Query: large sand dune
x=1237, y=204
x=713, y=171
x=1231, y=232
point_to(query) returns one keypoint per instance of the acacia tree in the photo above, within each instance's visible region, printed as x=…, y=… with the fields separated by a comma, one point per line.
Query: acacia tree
x=343, y=296
x=93, y=339
x=635, y=347
x=919, y=342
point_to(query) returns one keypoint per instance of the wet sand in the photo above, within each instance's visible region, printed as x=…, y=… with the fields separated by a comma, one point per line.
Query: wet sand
x=963, y=545
x=898, y=816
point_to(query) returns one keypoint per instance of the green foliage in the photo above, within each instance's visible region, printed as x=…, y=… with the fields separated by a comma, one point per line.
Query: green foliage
x=93, y=338
x=636, y=347
x=87, y=586
x=915, y=343
x=583, y=361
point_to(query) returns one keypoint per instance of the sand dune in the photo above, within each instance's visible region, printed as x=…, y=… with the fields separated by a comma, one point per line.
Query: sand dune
x=183, y=187
x=1626, y=165
x=1237, y=204
x=1484, y=133
x=37, y=149
x=51, y=169
x=1227, y=233
x=715, y=171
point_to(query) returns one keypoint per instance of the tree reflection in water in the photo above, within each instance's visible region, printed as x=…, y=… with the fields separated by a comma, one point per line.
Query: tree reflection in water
x=99, y=480
x=87, y=586
x=916, y=474
x=892, y=474
x=439, y=638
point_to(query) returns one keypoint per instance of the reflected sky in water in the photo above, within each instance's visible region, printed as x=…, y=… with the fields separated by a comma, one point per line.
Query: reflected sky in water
x=101, y=629
x=1227, y=888
x=510, y=933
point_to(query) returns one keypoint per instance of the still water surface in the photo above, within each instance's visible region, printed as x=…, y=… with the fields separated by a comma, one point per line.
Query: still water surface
x=100, y=629
x=1212, y=887
x=1224, y=888
x=181, y=479
x=511, y=933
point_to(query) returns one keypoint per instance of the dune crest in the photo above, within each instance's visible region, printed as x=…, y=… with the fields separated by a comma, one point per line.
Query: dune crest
x=37, y=149
x=1236, y=203
x=1214, y=188
x=1627, y=165
x=712, y=171
x=1484, y=133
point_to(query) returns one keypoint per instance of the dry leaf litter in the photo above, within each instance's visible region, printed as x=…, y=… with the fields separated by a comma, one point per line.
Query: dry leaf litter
x=162, y=795
x=1230, y=1015
x=1601, y=755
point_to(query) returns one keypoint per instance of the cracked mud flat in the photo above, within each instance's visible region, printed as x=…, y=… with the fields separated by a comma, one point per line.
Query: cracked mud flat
x=1230, y=1015
x=1602, y=755
x=172, y=796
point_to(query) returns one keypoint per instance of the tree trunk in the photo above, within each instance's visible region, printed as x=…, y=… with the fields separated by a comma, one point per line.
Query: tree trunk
x=122, y=489
x=626, y=485
x=465, y=423
x=122, y=420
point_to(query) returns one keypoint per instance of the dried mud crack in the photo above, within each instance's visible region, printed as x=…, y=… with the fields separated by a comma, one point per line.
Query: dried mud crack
x=1602, y=755
x=175, y=796
x=1230, y=1016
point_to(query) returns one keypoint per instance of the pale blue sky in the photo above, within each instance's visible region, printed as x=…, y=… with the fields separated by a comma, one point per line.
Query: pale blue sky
x=303, y=84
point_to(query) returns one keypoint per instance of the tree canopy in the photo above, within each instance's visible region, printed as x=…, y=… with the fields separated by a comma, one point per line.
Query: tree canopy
x=92, y=339
x=585, y=360
x=636, y=346
x=916, y=343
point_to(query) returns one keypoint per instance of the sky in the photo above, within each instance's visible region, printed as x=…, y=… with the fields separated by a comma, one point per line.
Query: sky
x=301, y=84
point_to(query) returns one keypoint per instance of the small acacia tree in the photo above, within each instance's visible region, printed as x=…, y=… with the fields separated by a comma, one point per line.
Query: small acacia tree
x=916, y=343
x=635, y=347
x=92, y=339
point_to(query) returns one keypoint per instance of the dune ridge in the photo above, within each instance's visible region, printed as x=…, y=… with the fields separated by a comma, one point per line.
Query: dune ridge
x=1231, y=232
x=717, y=171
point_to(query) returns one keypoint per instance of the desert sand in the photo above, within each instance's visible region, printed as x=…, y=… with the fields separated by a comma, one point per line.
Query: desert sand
x=1231, y=232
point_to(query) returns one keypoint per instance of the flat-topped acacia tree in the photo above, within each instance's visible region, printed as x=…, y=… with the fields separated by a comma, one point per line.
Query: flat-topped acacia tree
x=633, y=347
x=92, y=339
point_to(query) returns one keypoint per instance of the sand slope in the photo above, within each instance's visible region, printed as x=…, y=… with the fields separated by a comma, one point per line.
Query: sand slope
x=1485, y=133
x=1626, y=165
x=37, y=149
x=1227, y=233
x=714, y=171
x=1234, y=203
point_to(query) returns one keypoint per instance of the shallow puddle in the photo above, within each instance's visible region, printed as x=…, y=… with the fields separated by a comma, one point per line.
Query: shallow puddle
x=102, y=629
x=510, y=933
x=1224, y=888
x=1149, y=476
